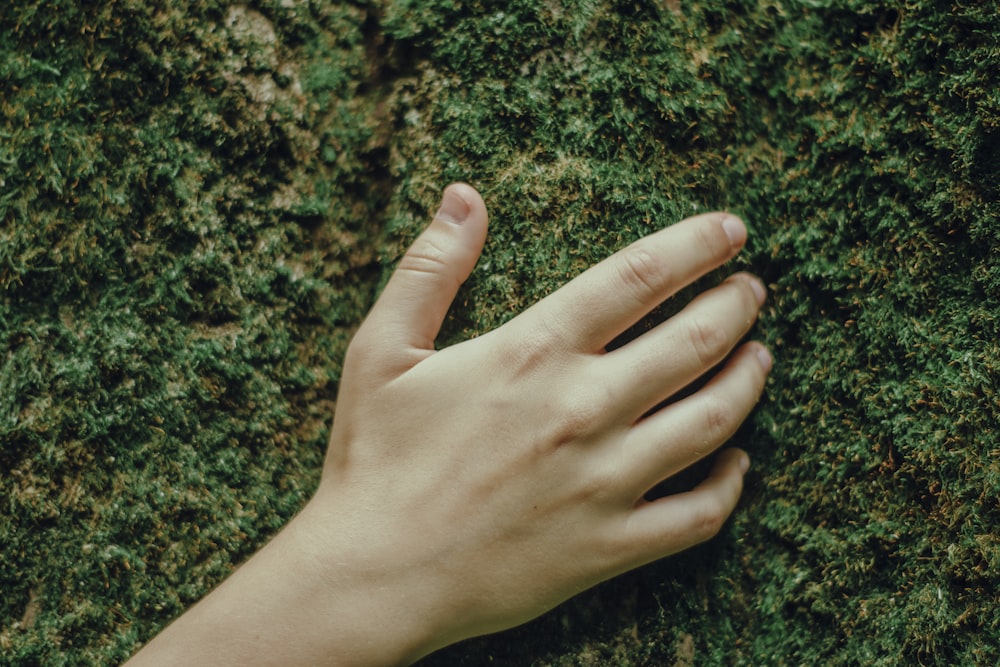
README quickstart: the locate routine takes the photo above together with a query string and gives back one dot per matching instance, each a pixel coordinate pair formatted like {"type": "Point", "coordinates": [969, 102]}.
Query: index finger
{"type": "Point", "coordinates": [601, 303]}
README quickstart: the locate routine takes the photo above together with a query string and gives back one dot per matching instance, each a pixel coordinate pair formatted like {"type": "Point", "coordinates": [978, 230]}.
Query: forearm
{"type": "Point", "coordinates": [307, 598]}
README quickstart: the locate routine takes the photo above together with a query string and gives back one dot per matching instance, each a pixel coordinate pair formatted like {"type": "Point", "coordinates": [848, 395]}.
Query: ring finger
{"type": "Point", "coordinates": [663, 361]}
{"type": "Point", "coordinates": [697, 425]}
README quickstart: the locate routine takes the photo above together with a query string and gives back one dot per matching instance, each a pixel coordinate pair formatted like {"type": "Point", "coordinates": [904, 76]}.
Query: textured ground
{"type": "Point", "coordinates": [199, 200]}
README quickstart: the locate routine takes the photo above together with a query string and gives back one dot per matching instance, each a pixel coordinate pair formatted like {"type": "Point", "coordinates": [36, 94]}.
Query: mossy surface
{"type": "Point", "coordinates": [198, 202]}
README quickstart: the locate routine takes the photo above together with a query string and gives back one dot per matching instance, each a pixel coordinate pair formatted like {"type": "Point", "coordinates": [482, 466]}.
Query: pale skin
{"type": "Point", "coordinates": [470, 489]}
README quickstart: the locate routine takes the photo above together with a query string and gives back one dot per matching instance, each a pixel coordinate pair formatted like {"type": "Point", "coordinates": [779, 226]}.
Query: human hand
{"type": "Point", "coordinates": [508, 472]}
{"type": "Point", "coordinates": [470, 489]}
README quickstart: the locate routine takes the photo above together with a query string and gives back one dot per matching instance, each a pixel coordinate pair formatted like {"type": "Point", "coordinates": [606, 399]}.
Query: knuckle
{"type": "Point", "coordinates": [717, 419]}
{"type": "Point", "coordinates": [641, 273]}
{"type": "Point", "coordinates": [709, 518]}
{"type": "Point", "coordinates": [527, 355]}
{"type": "Point", "coordinates": [424, 256]}
{"type": "Point", "coordinates": [595, 486]}
{"type": "Point", "coordinates": [574, 417]}
{"type": "Point", "coordinates": [708, 340]}
{"type": "Point", "coordinates": [601, 481]}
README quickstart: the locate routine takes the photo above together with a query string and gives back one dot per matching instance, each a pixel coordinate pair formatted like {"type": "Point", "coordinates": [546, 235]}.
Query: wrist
{"type": "Point", "coordinates": [322, 592]}
{"type": "Point", "coordinates": [381, 599]}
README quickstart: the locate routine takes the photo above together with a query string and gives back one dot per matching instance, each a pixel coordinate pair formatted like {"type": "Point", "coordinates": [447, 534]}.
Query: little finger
{"type": "Point", "coordinates": [681, 433]}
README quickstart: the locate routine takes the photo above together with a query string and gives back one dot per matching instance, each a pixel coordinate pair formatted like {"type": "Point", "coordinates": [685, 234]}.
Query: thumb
{"type": "Point", "coordinates": [413, 305]}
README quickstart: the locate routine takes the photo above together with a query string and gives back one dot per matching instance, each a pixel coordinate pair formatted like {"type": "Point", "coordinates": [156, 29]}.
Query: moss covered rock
{"type": "Point", "coordinates": [199, 200]}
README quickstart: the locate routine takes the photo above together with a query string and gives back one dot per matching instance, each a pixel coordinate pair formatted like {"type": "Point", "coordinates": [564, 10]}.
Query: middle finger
{"type": "Point", "coordinates": [663, 361]}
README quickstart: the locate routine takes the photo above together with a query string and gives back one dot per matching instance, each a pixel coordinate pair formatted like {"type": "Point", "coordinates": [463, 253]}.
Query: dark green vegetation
{"type": "Point", "coordinates": [198, 202]}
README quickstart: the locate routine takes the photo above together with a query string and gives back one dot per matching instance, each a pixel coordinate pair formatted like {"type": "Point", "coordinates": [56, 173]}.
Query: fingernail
{"type": "Point", "coordinates": [765, 358]}
{"type": "Point", "coordinates": [744, 463]}
{"type": "Point", "coordinates": [759, 291]}
{"type": "Point", "coordinates": [454, 208]}
{"type": "Point", "coordinates": [735, 230]}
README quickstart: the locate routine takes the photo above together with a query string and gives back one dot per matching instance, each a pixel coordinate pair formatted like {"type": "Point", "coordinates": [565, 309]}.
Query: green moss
{"type": "Point", "coordinates": [180, 274]}
{"type": "Point", "coordinates": [197, 202]}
